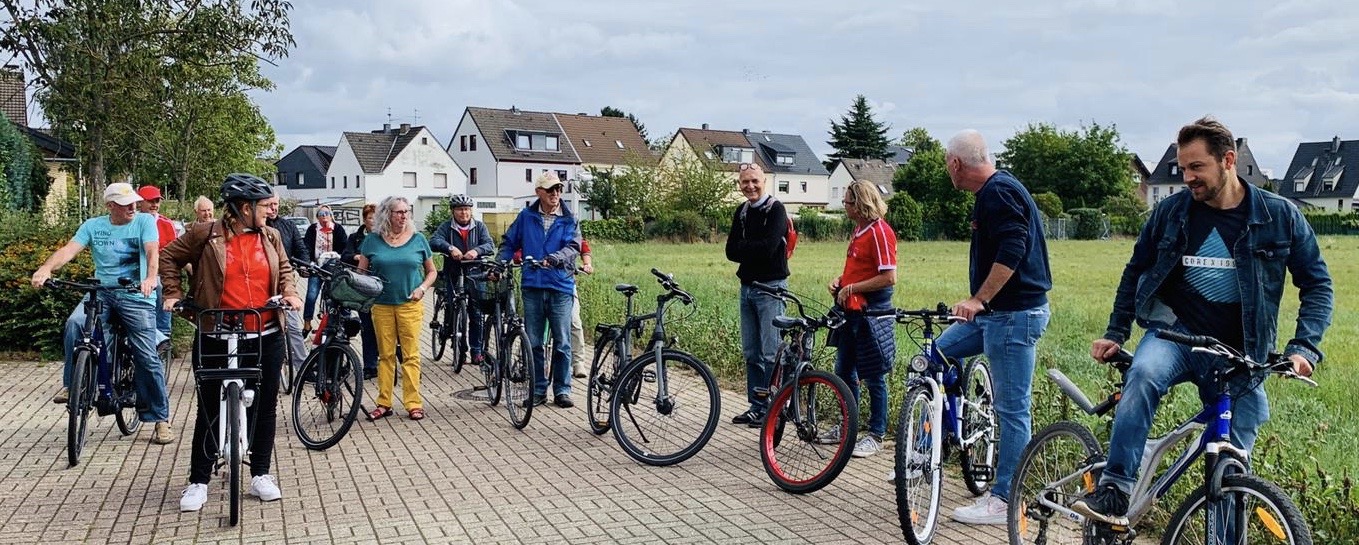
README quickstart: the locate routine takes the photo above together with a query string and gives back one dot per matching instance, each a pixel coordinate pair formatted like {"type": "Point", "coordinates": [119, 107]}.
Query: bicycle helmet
{"type": "Point", "coordinates": [239, 187]}
{"type": "Point", "coordinates": [460, 201]}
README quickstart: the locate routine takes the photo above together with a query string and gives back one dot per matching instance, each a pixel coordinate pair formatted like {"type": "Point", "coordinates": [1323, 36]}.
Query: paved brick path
{"type": "Point", "coordinates": [462, 475]}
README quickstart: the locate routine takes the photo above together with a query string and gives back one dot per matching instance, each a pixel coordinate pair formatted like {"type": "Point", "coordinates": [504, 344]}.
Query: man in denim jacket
{"type": "Point", "coordinates": [1210, 261]}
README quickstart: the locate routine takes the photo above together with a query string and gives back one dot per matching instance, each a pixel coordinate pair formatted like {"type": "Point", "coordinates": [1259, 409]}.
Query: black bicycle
{"type": "Point", "coordinates": [509, 365]}
{"type": "Point", "coordinates": [815, 405]}
{"type": "Point", "coordinates": [452, 314]}
{"type": "Point", "coordinates": [103, 373]}
{"type": "Point", "coordinates": [665, 404]}
{"type": "Point", "coordinates": [328, 390]}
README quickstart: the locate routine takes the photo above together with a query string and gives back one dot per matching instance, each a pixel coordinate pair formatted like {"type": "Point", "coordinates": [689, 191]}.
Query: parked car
{"type": "Point", "coordinates": [301, 223]}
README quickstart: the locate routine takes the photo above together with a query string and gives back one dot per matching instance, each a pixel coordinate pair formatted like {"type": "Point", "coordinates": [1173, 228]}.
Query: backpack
{"type": "Point", "coordinates": [789, 238]}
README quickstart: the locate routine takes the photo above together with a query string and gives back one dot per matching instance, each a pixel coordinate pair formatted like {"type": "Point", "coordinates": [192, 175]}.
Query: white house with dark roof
{"type": "Point", "coordinates": [1324, 176]}
{"type": "Point", "coordinates": [795, 174]}
{"type": "Point", "coordinates": [849, 170]}
{"type": "Point", "coordinates": [407, 161]}
{"type": "Point", "coordinates": [502, 151]}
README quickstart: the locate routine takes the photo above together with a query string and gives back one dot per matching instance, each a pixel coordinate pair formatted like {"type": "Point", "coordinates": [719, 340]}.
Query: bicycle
{"type": "Point", "coordinates": [329, 384]}
{"type": "Point", "coordinates": [948, 405]}
{"type": "Point", "coordinates": [509, 365]}
{"type": "Point", "coordinates": [613, 348]}
{"type": "Point", "coordinates": [103, 374]}
{"type": "Point", "coordinates": [238, 380]}
{"type": "Point", "coordinates": [1063, 461]}
{"type": "Point", "coordinates": [819, 405]}
{"type": "Point", "coordinates": [652, 416]}
{"type": "Point", "coordinates": [451, 319]}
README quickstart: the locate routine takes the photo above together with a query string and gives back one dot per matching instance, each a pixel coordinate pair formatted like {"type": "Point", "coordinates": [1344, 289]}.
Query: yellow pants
{"type": "Point", "coordinates": [402, 323]}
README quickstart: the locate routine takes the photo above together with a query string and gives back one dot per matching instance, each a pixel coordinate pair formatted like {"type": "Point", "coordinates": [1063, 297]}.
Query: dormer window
{"type": "Point", "coordinates": [1174, 170]}
{"type": "Point", "coordinates": [530, 141]}
{"type": "Point", "coordinates": [737, 155]}
{"type": "Point", "coordinates": [784, 159]}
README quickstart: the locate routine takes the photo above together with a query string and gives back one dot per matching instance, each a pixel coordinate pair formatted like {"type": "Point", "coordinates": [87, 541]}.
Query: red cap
{"type": "Point", "coordinates": [149, 192]}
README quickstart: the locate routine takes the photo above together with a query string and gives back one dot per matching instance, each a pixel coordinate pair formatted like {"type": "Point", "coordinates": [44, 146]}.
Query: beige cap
{"type": "Point", "coordinates": [548, 180]}
{"type": "Point", "coordinates": [121, 193]}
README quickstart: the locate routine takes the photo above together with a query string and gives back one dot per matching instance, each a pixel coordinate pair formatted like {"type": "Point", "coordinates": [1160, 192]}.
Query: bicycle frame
{"type": "Point", "coordinates": [942, 376]}
{"type": "Point", "coordinates": [229, 328]}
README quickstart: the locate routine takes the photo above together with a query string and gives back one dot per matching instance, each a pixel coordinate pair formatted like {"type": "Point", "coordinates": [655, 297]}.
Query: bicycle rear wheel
{"type": "Point", "coordinates": [662, 428]}
{"type": "Point", "coordinates": [491, 371]}
{"type": "Point", "coordinates": [233, 442]}
{"type": "Point", "coordinates": [919, 480]}
{"type": "Point", "coordinates": [979, 426]}
{"type": "Point", "coordinates": [599, 387]}
{"type": "Point", "coordinates": [518, 377]}
{"type": "Point", "coordinates": [1050, 474]}
{"type": "Point", "coordinates": [811, 408]}
{"type": "Point", "coordinates": [327, 396]}
{"type": "Point", "coordinates": [461, 348]}
{"type": "Point", "coordinates": [286, 370]}
{"type": "Point", "coordinates": [439, 325]}
{"type": "Point", "coordinates": [125, 397]}
{"type": "Point", "coordinates": [1252, 510]}
{"type": "Point", "coordinates": [79, 403]}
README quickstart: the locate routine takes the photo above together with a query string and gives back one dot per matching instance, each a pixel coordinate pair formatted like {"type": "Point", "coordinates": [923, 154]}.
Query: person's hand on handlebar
{"type": "Point", "coordinates": [1301, 366]}
{"type": "Point", "coordinates": [169, 304]}
{"type": "Point", "coordinates": [41, 276]}
{"type": "Point", "coordinates": [469, 255]}
{"type": "Point", "coordinates": [834, 286]}
{"type": "Point", "coordinates": [969, 308]}
{"type": "Point", "coordinates": [292, 302]}
{"type": "Point", "coordinates": [1103, 349]}
{"type": "Point", "coordinates": [148, 286]}
{"type": "Point", "coordinates": [455, 253]}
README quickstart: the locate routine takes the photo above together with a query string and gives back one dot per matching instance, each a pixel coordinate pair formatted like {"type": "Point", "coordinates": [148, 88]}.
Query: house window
{"type": "Point", "coordinates": [462, 143]}
{"type": "Point", "coordinates": [528, 175]}
{"type": "Point", "coordinates": [332, 182]}
{"type": "Point", "coordinates": [407, 179]}
{"type": "Point", "coordinates": [587, 144]}
{"type": "Point", "coordinates": [522, 141]}
{"type": "Point", "coordinates": [561, 175]}
{"type": "Point", "coordinates": [784, 159]}
{"type": "Point", "coordinates": [472, 140]}
{"type": "Point", "coordinates": [737, 155]}
{"type": "Point", "coordinates": [1250, 169]}
{"type": "Point", "coordinates": [1340, 205]}
{"type": "Point", "coordinates": [424, 141]}
{"type": "Point", "coordinates": [618, 143]}
{"type": "Point", "coordinates": [472, 176]}
{"type": "Point", "coordinates": [1300, 186]}
{"type": "Point", "coordinates": [345, 181]}
{"type": "Point", "coordinates": [356, 181]}
{"type": "Point", "coordinates": [486, 205]}
{"type": "Point", "coordinates": [440, 180]}
{"type": "Point", "coordinates": [552, 143]}
{"type": "Point", "coordinates": [301, 179]}
{"type": "Point", "coordinates": [835, 192]}
{"type": "Point", "coordinates": [783, 187]}
{"type": "Point", "coordinates": [1174, 170]}
{"type": "Point", "coordinates": [1155, 192]}
{"type": "Point", "coordinates": [804, 187]}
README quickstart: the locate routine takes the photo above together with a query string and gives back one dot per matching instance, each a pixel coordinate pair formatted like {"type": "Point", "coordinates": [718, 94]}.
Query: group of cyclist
{"type": "Point", "coordinates": [1211, 260]}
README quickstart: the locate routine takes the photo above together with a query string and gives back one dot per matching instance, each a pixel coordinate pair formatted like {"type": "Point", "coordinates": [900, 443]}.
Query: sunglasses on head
{"type": "Point", "coordinates": [747, 166]}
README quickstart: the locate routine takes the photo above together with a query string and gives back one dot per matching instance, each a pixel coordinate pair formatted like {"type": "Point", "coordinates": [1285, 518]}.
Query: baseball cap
{"type": "Point", "coordinates": [149, 192]}
{"type": "Point", "coordinates": [121, 193]}
{"type": "Point", "coordinates": [548, 180]}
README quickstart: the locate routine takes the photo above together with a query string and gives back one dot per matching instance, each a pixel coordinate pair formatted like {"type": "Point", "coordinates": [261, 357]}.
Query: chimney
{"type": "Point", "coordinates": [13, 94]}
{"type": "Point", "coordinates": [1335, 144]}
{"type": "Point", "coordinates": [405, 128]}
{"type": "Point", "coordinates": [386, 128]}
{"type": "Point", "coordinates": [745, 131]}
{"type": "Point", "coordinates": [705, 126]}
{"type": "Point", "coordinates": [514, 110]}
{"type": "Point", "coordinates": [582, 114]}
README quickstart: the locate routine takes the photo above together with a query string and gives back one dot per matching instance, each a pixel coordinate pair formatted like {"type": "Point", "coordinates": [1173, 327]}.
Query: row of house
{"type": "Point", "coordinates": [1317, 178]}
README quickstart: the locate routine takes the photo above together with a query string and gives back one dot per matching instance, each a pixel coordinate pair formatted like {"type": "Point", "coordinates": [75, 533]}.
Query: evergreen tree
{"type": "Point", "coordinates": [610, 111]}
{"type": "Point", "coordinates": [858, 135]}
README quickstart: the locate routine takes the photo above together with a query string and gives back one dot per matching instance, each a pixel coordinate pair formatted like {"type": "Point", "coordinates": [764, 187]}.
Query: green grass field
{"type": "Point", "coordinates": [1320, 425]}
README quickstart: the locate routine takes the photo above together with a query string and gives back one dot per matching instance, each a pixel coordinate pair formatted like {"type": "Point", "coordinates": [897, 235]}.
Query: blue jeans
{"type": "Point", "coordinates": [759, 339]}
{"type": "Point", "coordinates": [139, 322]}
{"type": "Point", "coordinates": [313, 292]}
{"type": "Point", "coordinates": [1008, 338]}
{"type": "Point", "coordinates": [1157, 366]}
{"type": "Point", "coordinates": [877, 393]}
{"type": "Point", "coordinates": [549, 311]}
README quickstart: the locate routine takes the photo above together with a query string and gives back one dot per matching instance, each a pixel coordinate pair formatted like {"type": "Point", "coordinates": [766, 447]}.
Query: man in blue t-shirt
{"type": "Point", "coordinates": [123, 244]}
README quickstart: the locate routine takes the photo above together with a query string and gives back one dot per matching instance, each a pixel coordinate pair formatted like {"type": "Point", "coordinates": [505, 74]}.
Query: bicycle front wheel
{"type": "Point", "coordinates": [233, 441]}
{"type": "Point", "coordinates": [1053, 473]}
{"type": "Point", "coordinates": [662, 427]}
{"type": "Point", "coordinates": [517, 363]}
{"type": "Point", "coordinates": [818, 409]}
{"type": "Point", "coordinates": [461, 348]}
{"type": "Point", "coordinates": [599, 387]}
{"type": "Point", "coordinates": [440, 325]}
{"type": "Point", "coordinates": [918, 479]}
{"type": "Point", "coordinates": [491, 370]}
{"type": "Point", "coordinates": [978, 416]}
{"type": "Point", "coordinates": [1252, 510]}
{"type": "Point", "coordinates": [125, 397]}
{"type": "Point", "coordinates": [79, 403]}
{"type": "Point", "coordinates": [327, 396]}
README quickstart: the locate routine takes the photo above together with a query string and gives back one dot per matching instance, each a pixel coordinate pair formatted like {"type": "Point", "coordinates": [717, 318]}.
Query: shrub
{"type": "Point", "coordinates": [29, 318]}
{"type": "Point", "coordinates": [681, 226]}
{"type": "Point", "coordinates": [1127, 225]}
{"type": "Point", "coordinates": [436, 217]}
{"type": "Point", "coordinates": [811, 225]}
{"type": "Point", "coordinates": [1087, 223]}
{"type": "Point", "coordinates": [616, 229]}
{"type": "Point", "coordinates": [1049, 204]}
{"type": "Point", "coordinates": [905, 216]}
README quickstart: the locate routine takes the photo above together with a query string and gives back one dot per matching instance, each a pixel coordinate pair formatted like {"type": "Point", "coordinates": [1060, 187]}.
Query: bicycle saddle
{"type": "Point", "coordinates": [625, 289]}
{"type": "Point", "coordinates": [789, 322]}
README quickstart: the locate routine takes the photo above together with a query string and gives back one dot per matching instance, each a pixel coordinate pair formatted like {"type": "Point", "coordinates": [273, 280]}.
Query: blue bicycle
{"type": "Point", "coordinates": [1063, 462]}
{"type": "Point", "coordinates": [948, 405]}
{"type": "Point", "coordinates": [103, 373]}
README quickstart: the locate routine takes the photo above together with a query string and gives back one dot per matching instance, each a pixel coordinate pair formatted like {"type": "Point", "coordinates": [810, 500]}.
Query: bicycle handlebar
{"type": "Point", "coordinates": [940, 312]}
{"type": "Point", "coordinates": [833, 319]}
{"type": "Point", "coordinates": [91, 285]}
{"type": "Point", "coordinates": [668, 282]}
{"type": "Point", "coordinates": [1278, 364]}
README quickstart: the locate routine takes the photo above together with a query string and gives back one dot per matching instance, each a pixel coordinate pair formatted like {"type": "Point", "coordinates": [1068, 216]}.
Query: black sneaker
{"type": "Point", "coordinates": [747, 417]}
{"type": "Point", "coordinates": [1105, 502]}
{"type": "Point", "coordinates": [564, 401]}
{"type": "Point", "coordinates": [756, 421]}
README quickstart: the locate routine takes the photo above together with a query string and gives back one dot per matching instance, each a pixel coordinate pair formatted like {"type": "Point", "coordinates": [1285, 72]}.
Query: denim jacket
{"type": "Point", "coordinates": [1276, 238]}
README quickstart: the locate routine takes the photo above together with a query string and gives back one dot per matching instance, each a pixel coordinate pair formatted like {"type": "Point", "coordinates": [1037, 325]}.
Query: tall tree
{"type": "Point", "coordinates": [947, 210]}
{"type": "Point", "coordinates": [919, 140]}
{"type": "Point", "coordinates": [100, 65]}
{"type": "Point", "coordinates": [610, 111]}
{"type": "Point", "coordinates": [1086, 168]}
{"type": "Point", "coordinates": [600, 192]}
{"type": "Point", "coordinates": [858, 135]}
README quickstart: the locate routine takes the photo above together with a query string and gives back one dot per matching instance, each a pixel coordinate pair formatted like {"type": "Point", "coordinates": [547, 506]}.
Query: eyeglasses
{"type": "Point", "coordinates": [323, 214]}
{"type": "Point", "coordinates": [400, 212]}
{"type": "Point", "coordinates": [554, 189]}
{"type": "Point", "coordinates": [747, 166]}
{"type": "Point", "coordinates": [847, 203]}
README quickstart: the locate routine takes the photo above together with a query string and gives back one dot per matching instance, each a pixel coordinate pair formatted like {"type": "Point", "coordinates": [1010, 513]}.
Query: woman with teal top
{"type": "Point", "coordinates": [402, 256]}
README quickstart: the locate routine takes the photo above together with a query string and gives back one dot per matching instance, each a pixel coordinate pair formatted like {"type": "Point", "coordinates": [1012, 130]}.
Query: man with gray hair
{"type": "Point", "coordinates": [203, 210]}
{"type": "Point", "coordinates": [1008, 310]}
{"type": "Point", "coordinates": [755, 242]}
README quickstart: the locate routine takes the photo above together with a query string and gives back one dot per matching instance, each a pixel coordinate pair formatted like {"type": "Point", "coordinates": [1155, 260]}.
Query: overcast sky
{"type": "Point", "coordinates": [1277, 73]}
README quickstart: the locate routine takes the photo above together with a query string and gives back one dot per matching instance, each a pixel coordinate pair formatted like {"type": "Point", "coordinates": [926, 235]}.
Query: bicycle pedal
{"type": "Point", "coordinates": [761, 393]}
{"type": "Point", "coordinates": [480, 388]}
{"type": "Point", "coordinates": [649, 376]}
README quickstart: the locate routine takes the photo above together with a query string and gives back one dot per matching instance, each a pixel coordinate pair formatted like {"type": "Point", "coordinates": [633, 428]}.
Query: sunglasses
{"type": "Point", "coordinates": [747, 166]}
{"type": "Point", "coordinates": [323, 214]}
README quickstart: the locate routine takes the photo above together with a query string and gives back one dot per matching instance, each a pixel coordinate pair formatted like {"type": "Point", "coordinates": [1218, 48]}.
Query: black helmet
{"type": "Point", "coordinates": [245, 187]}
{"type": "Point", "coordinates": [460, 200]}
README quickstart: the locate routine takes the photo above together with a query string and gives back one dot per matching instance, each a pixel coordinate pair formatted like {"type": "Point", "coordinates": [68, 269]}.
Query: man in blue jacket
{"type": "Point", "coordinates": [1008, 309]}
{"type": "Point", "coordinates": [462, 239]}
{"type": "Point", "coordinates": [1211, 260]}
{"type": "Point", "coordinates": [548, 232]}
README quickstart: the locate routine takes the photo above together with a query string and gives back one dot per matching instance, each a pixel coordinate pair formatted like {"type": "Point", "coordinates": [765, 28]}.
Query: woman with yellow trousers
{"type": "Point", "coordinates": [402, 256]}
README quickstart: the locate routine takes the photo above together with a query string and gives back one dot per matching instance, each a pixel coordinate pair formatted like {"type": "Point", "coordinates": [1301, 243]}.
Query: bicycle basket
{"type": "Point", "coordinates": [485, 293]}
{"type": "Point", "coordinates": [349, 289]}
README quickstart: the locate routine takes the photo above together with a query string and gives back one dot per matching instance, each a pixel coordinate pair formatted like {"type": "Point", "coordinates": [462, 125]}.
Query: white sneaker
{"type": "Point", "coordinates": [830, 436]}
{"type": "Point", "coordinates": [988, 510]}
{"type": "Point", "coordinates": [194, 497]}
{"type": "Point", "coordinates": [867, 446]}
{"type": "Point", "coordinates": [264, 488]}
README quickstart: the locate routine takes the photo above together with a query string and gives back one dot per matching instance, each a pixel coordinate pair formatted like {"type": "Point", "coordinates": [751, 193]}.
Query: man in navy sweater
{"type": "Point", "coordinates": [1008, 310]}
